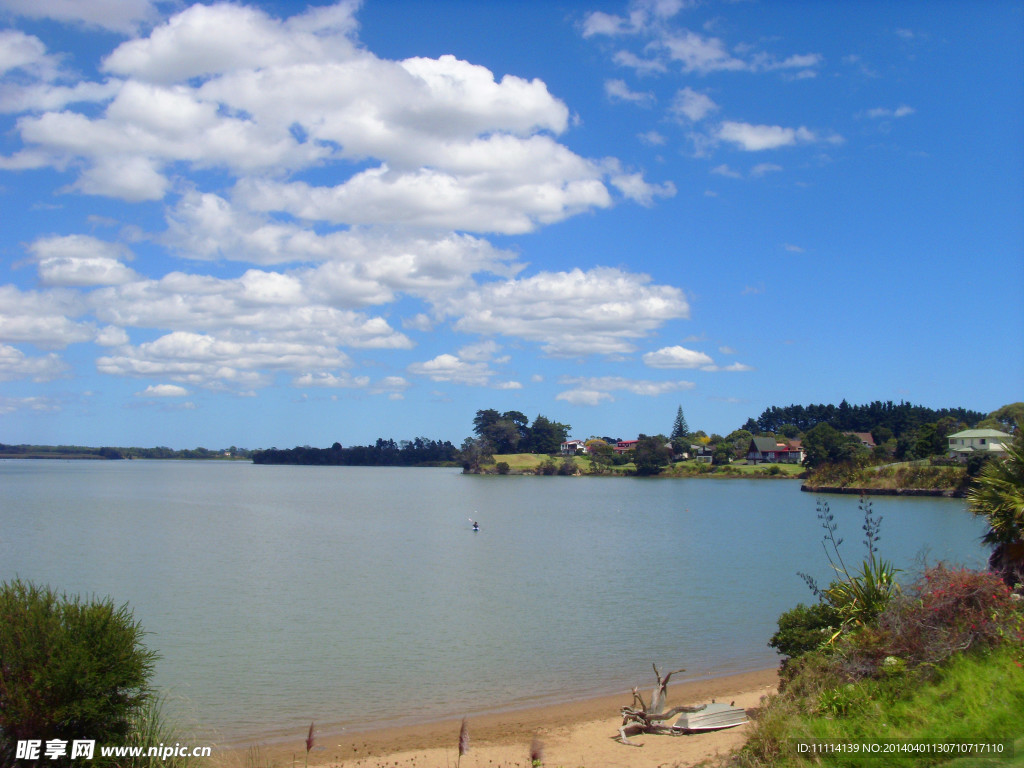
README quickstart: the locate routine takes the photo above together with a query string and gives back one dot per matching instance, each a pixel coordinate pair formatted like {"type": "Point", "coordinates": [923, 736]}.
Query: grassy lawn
{"type": "Point", "coordinates": [522, 462]}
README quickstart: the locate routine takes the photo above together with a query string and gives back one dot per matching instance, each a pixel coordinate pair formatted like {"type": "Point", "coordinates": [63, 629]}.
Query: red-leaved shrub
{"type": "Point", "coordinates": [949, 610]}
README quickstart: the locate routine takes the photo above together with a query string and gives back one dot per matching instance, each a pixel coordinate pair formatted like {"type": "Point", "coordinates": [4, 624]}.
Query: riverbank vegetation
{"type": "Point", "coordinates": [938, 660]}
{"type": "Point", "coordinates": [76, 670]}
{"type": "Point", "coordinates": [68, 452]}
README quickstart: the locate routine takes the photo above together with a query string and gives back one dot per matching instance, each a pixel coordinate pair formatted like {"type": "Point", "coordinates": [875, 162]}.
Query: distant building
{"type": "Point", "coordinates": [972, 441]}
{"type": "Point", "coordinates": [865, 438]}
{"type": "Point", "coordinates": [625, 445]}
{"type": "Point", "coordinates": [766, 451]}
{"type": "Point", "coordinates": [572, 447]}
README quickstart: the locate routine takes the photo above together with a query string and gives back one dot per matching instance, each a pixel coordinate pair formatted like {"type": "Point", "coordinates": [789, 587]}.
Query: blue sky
{"type": "Point", "coordinates": [272, 223]}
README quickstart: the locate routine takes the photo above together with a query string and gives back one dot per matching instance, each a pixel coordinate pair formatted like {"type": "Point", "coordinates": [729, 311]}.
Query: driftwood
{"type": "Point", "coordinates": [639, 718]}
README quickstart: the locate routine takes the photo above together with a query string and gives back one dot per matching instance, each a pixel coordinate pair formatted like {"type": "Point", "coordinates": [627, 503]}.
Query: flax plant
{"type": "Point", "coordinates": [858, 595]}
{"type": "Point", "coordinates": [310, 741]}
{"type": "Point", "coordinates": [463, 741]}
{"type": "Point", "coordinates": [536, 753]}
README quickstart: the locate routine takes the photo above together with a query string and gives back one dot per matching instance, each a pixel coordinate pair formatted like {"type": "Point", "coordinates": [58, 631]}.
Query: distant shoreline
{"type": "Point", "coordinates": [950, 493]}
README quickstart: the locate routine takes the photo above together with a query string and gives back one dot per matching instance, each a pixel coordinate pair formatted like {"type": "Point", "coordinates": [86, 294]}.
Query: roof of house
{"type": "Point", "coordinates": [765, 444]}
{"type": "Point", "coordinates": [864, 437]}
{"type": "Point", "coordinates": [980, 433]}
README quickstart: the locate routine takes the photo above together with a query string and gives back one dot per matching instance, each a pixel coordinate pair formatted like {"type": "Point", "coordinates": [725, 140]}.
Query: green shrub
{"type": "Point", "coordinates": [502, 467]}
{"type": "Point", "coordinates": [805, 628]}
{"type": "Point", "coordinates": [69, 669]}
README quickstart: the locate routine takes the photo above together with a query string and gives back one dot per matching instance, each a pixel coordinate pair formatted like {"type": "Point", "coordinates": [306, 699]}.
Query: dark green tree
{"type": "Point", "coordinates": [680, 431]}
{"type": "Point", "coordinates": [474, 453]}
{"type": "Point", "coordinates": [679, 427]}
{"type": "Point", "coordinates": [547, 436]}
{"type": "Point", "coordinates": [651, 454]}
{"type": "Point", "coordinates": [825, 445]}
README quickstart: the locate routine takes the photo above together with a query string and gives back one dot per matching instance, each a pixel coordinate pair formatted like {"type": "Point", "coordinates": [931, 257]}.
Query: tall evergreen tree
{"type": "Point", "coordinates": [679, 426]}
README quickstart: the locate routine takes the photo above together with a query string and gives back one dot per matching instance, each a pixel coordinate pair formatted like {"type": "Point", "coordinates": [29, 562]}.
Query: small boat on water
{"type": "Point", "coordinates": [710, 718]}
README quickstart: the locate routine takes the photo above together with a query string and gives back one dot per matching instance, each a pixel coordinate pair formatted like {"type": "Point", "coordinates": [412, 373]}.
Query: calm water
{"type": "Point", "coordinates": [281, 595]}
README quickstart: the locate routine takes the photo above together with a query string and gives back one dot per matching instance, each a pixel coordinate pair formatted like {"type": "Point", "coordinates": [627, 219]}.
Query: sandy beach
{"type": "Point", "coordinates": [575, 735]}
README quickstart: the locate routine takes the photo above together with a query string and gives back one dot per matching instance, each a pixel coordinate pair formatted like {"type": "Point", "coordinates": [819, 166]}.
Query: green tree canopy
{"type": "Point", "coordinates": [650, 455]}
{"type": "Point", "coordinates": [825, 445]}
{"type": "Point", "coordinates": [547, 436]}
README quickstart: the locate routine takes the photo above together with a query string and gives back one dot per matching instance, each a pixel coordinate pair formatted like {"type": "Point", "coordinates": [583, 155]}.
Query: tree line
{"type": "Point", "coordinates": [420, 451]}
{"type": "Point", "coordinates": [898, 418]}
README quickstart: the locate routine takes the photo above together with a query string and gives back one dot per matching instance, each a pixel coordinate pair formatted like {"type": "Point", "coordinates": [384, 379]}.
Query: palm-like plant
{"type": "Point", "coordinates": [997, 494]}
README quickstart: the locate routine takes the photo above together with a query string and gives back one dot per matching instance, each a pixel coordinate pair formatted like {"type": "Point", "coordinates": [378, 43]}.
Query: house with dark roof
{"type": "Point", "coordinates": [766, 450]}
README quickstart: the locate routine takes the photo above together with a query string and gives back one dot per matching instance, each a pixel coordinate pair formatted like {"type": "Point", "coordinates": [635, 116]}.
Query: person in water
{"type": "Point", "coordinates": [476, 526]}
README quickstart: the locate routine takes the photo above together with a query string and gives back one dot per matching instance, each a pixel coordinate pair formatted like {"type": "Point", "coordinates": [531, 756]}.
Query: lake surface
{"type": "Point", "coordinates": [359, 596]}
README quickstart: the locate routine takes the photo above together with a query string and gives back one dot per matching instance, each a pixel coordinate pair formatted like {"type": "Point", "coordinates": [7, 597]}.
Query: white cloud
{"type": "Point", "coordinates": [600, 311]}
{"type": "Point", "coordinates": [115, 15]}
{"type": "Point", "coordinates": [332, 381]}
{"type": "Point", "coordinates": [24, 52]}
{"type": "Point", "coordinates": [271, 304]}
{"type": "Point", "coordinates": [15, 404]}
{"type": "Point", "coordinates": [499, 184]}
{"type": "Point", "coordinates": [595, 390]}
{"type": "Point", "coordinates": [676, 357]}
{"type": "Point", "coordinates": [582, 396]}
{"type": "Point", "coordinates": [700, 54]}
{"type": "Point", "coordinates": [693, 105]}
{"type": "Point", "coordinates": [450, 368]}
{"type": "Point", "coordinates": [762, 169]}
{"type": "Point", "coordinates": [633, 187]}
{"type": "Point", "coordinates": [235, 361]}
{"type": "Point", "coordinates": [163, 390]}
{"type": "Point", "coordinates": [15, 364]}
{"type": "Point", "coordinates": [80, 260]}
{"type": "Point", "coordinates": [617, 90]}
{"type": "Point", "coordinates": [640, 65]}
{"type": "Point", "coordinates": [725, 170]}
{"type": "Point", "coordinates": [43, 318]}
{"type": "Point", "coordinates": [601, 23]}
{"type": "Point", "coordinates": [390, 385]}
{"type": "Point", "coordinates": [195, 43]}
{"type": "Point", "coordinates": [880, 113]}
{"type": "Point", "coordinates": [755, 138]}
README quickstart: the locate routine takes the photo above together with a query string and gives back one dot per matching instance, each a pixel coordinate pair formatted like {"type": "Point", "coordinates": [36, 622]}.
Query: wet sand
{"type": "Point", "coordinates": [580, 734]}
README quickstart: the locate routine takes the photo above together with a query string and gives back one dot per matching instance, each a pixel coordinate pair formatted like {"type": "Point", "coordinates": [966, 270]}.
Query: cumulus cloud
{"type": "Point", "coordinates": [681, 357]}
{"type": "Point", "coordinates": [19, 51]}
{"type": "Point", "coordinates": [163, 390]}
{"type": "Point", "coordinates": [114, 15]}
{"type": "Point", "coordinates": [331, 380]}
{"type": "Point", "coordinates": [15, 364]}
{"type": "Point", "coordinates": [595, 390]}
{"type": "Point", "coordinates": [755, 138]}
{"type": "Point", "coordinates": [343, 182]}
{"type": "Point", "coordinates": [569, 313]}
{"type": "Point", "coordinates": [231, 362]}
{"type": "Point", "coordinates": [80, 260]}
{"type": "Point", "coordinates": [43, 318]}
{"type": "Point", "coordinates": [449, 368]}
{"type": "Point", "coordinates": [881, 113]}
{"type": "Point", "coordinates": [692, 105]}
{"type": "Point", "coordinates": [617, 90]}
{"type": "Point", "coordinates": [676, 357]}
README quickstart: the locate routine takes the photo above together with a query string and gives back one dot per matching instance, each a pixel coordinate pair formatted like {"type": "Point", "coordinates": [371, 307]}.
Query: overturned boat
{"type": "Point", "coordinates": [710, 718]}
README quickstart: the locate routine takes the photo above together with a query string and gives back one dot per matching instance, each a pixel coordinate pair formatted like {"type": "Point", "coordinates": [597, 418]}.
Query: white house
{"type": "Point", "coordinates": [571, 447]}
{"type": "Point", "coordinates": [971, 441]}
